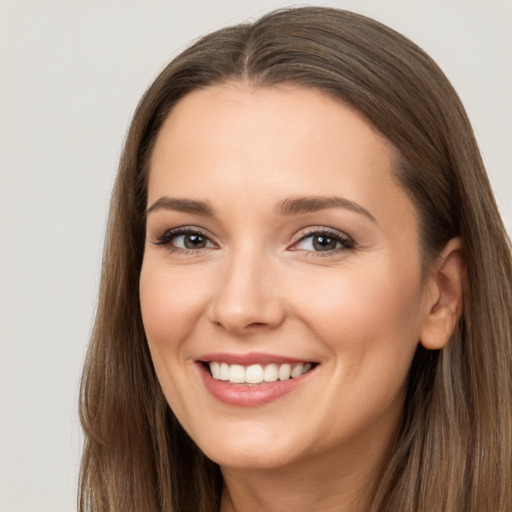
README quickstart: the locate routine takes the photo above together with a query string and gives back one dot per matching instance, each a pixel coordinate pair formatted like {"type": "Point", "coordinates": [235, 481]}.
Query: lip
{"type": "Point", "coordinates": [250, 358]}
{"type": "Point", "coordinates": [244, 395]}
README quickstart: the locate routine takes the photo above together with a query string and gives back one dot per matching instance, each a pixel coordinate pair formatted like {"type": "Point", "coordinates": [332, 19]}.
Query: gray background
{"type": "Point", "coordinates": [71, 74]}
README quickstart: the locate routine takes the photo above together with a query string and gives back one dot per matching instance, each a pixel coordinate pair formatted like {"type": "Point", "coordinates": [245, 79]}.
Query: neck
{"type": "Point", "coordinates": [342, 480]}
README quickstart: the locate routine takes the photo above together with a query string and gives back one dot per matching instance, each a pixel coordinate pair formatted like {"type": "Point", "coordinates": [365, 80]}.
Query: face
{"type": "Point", "coordinates": [281, 288]}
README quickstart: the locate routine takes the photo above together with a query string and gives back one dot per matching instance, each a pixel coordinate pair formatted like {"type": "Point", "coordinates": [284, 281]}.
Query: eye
{"type": "Point", "coordinates": [185, 239]}
{"type": "Point", "coordinates": [325, 241]}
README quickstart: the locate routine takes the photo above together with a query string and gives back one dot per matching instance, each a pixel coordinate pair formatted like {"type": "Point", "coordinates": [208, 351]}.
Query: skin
{"type": "Point", "coordinates": [259, 284]}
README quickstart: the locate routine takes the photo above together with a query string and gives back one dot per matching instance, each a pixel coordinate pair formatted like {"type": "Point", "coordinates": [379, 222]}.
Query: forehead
{"type": "Point", "coordinates": [253, 130]}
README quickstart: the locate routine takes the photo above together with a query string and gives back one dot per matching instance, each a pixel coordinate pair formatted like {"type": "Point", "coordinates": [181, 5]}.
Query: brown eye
{"type": "Point", "coordinates": [185, 239]}
{"type": "Point", "coordinates": [194, 241]}
{"type": "Point", "coordinates": [324, 243]}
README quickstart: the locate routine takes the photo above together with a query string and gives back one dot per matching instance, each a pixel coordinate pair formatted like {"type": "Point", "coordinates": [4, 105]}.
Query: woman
{"type": "Point", "coordinates": [306, 286]}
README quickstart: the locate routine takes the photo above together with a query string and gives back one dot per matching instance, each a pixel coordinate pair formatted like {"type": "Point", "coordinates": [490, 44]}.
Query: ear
{"type": "Point", "coordinates": [444, 296]}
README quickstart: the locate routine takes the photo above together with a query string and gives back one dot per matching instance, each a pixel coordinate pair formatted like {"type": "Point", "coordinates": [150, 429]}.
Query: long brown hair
{"type": "Point", "coordinates": [454, 447]}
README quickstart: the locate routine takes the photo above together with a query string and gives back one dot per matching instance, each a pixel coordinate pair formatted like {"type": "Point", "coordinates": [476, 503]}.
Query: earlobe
{"type": "Point", "coordinates": [444, 307]}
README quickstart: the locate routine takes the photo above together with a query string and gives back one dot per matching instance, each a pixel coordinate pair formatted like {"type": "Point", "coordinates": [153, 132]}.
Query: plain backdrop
{"type": "Point", "coordinates": [71, 73]}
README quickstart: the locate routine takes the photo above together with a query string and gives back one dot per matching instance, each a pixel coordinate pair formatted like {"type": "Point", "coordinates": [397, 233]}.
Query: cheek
{"type": "Point", "coordinates": [171, 303]}
{"type": "Point", "coordinates": [170, 306]}
{"type": "Point", "coordinates": [371, 311]}
{"type": "Point", "coordinates": [370, 322]}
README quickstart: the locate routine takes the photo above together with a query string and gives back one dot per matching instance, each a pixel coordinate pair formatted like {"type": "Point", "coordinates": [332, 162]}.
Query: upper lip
{"type": "Point", "coordinates": [251, 358]}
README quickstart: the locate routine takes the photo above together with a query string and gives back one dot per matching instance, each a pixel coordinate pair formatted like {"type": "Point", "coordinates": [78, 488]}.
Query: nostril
{"type": "Point", "coordinates": [245, 300]}
{"type": "Point", "coordinates": [256, 324]}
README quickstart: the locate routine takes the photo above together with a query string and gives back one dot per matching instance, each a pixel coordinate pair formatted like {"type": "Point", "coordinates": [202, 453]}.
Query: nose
{"type": "Point", "coordinates": [246, 297]}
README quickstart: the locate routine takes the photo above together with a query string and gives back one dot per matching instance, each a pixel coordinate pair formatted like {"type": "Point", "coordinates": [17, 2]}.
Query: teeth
{"type": "Point", "coordinates": [284, 372]}
{"type": "Point", "coordinates": [223, 371]}
{"type": "Point", "coordinates": [296, 371]}
{"type": "Point", "coordinates": [215, 369]}
{"type": "Point", "coordinates": [256, 373]}
{"type": "Point", "coordinates": [271, 373]}
{"type": "Point", "coordinates": [236, 374]}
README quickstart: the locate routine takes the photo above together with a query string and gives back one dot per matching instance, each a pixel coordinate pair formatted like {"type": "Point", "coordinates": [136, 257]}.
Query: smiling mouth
{"type": "Point", "coordinates": [256, 373]}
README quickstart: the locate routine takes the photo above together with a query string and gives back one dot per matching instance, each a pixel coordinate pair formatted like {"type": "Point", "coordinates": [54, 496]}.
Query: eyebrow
{"type": "Point", "coordinates": [181, 205]}
{"type": "Point", "coordinates": [295, 206]}
{"type": "Point", "coordinates": [291, 206]}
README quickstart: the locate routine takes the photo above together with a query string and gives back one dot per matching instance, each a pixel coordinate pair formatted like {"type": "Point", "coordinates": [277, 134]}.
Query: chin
{"type": "Point", "coordinates": [256, 450]}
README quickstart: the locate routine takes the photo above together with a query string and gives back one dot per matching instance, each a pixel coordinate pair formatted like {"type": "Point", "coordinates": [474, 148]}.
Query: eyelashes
{"type": "Point", "coordinates": [324, 241]}
{"type": "Point", "coordinates": [185, 240]}
{"type": "Point", "coordinates": [319, 241]}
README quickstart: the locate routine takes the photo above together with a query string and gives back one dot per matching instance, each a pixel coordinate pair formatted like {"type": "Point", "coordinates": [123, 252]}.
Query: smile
{"type": "Point", "coordinates": [257, 373]}
{"type": "Point", "coordinates": [255, 379]}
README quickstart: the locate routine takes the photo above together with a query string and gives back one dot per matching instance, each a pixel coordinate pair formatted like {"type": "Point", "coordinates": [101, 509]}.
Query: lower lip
{"type": "Point", "coordinates": [243, 395]}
